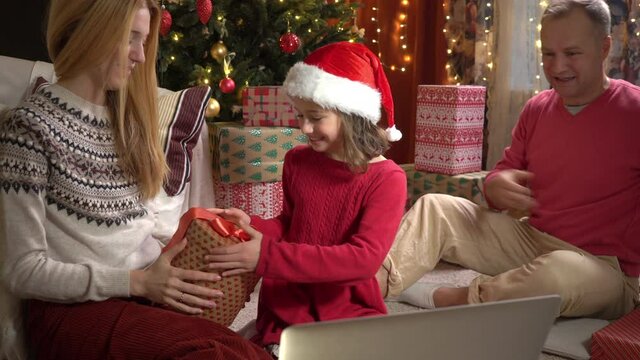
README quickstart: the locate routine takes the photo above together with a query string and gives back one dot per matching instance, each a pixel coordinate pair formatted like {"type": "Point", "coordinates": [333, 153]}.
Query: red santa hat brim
{"type": "Point", "coordinates": [333, 92]}
{"type": "Point", "coordinates": [347, 77]}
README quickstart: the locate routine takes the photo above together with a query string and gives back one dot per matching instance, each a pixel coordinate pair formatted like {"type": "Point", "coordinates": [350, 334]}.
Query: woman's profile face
{"type": "Point", "coordinates": [118, 73]}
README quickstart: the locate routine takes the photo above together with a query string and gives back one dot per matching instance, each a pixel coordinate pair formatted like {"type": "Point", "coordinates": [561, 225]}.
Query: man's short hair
{"type": "Point", "coordinates": [596, 10]}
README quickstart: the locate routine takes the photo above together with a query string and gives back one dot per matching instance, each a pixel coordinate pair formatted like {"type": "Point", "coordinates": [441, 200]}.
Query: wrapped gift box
{"type": "Point", "coordinates": [468, 186]}
{"type": "Point", "coordinates": [267, 106]}
{"type": "Point", "coordinates": [204, 231]}
{"type": "Point", "coordinates": [619, 340]}
{"type": "Point", "coordinates": [243, 154]}
{"type": "Point", "coordinates": [261, 199]}
{"type": "Point", "coordinates": [449, 128]}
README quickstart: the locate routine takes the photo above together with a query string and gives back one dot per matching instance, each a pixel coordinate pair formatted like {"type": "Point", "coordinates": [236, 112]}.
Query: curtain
{"type": "Point", "coordinates": [517, 74]}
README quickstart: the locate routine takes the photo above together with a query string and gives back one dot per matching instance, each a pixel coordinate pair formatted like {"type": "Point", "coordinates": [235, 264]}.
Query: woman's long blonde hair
{"type": "Point", "coordinates": [81, 34]}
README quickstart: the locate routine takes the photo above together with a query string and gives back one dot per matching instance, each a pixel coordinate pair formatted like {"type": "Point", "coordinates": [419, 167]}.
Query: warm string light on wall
{"type": "Point", "coordinates": [538, 83]}
{"type": "Point", "coordinates": [487, 46]}
{"type": "Point", "coordinates": [400, 32]}
{"type": "Point", "coordinates": [451, 44]}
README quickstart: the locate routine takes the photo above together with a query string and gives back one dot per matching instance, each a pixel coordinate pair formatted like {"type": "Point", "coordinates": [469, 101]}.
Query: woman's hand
{"type": "Point", "coordinates": [234, 215]}
{"type": "Point", "coordinates": [239, 258]}
{"type": "Point", "coordinates": [165, 284]}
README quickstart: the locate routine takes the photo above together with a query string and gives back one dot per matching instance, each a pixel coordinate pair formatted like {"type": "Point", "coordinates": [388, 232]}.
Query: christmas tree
{"type": "Point", "coordinates": [230, 44]}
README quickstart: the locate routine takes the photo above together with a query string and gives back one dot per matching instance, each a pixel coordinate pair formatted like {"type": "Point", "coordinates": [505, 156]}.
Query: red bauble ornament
{"type": "Point", "coordinates": [165, 22]}
{"type": "Point", "coordinates": [227, 85]}
{"type": "Point", "coordinates": [205, 8]}
{"type": "Point", "coordinates": [289, 42]}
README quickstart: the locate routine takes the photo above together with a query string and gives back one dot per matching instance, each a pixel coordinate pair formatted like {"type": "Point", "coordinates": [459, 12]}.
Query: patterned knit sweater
{"type": "Point", "coordinates": [319, 257]}
{"type": "Point", "coordinates": [73, 223]}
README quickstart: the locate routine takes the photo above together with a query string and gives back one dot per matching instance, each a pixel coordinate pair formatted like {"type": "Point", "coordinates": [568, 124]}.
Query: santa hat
{"type": "Point", "coordinates": [346, 77]}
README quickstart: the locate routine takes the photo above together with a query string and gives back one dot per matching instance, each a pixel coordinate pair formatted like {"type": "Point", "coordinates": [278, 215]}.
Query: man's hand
{"type": "Point", "coordinates": [509, 190]}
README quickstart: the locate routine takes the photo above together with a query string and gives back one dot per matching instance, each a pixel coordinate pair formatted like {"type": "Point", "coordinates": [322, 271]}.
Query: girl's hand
{"type": "Point", "coordinates": [234, 215]}
{"type": "Point", "coordinates": [239, 258]}
{"type": "Point", "coordinates": [165, 284]}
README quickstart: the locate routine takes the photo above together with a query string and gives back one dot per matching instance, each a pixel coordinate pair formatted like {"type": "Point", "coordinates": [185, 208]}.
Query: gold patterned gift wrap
{"type": "Point", "coordinates": [247, 154]}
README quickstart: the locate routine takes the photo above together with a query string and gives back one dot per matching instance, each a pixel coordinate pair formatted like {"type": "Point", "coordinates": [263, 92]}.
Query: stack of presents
{"type": "Point", "coordinates": [448, 144]}
{"type": "Point", "coordinates": [248, 157]}
{"type": "Point", "coordinates": [248, 160]}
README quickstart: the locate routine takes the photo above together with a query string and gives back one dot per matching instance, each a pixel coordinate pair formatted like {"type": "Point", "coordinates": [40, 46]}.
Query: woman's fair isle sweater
{"type": "Point", "coordinates": [73, 223]}
{"type": "Point", "coordinates": [319, 258]}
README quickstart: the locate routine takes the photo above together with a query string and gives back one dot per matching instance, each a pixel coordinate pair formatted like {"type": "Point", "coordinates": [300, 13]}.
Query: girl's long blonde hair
{"type": "Point", "coordinates": [81, 35]}
{"type": "Point", "coordinates": [363, 141]}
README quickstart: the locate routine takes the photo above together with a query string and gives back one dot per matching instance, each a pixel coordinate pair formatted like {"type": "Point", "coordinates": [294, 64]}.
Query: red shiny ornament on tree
{"type": "Point", "coordinates": [289, 42]}
{"type": "Point", "coordinates": [165, 22]}
{"type": "Point", "coordinates": [227, 85]}
{"type": "Point", "coordinates": [204, 8]}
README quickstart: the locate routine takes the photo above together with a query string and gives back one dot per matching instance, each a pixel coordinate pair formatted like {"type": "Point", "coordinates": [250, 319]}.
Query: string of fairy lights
{"type": "Point", "coordinates": [469, 40]}
{"type": "Point", "coordinates": [397, 36]}
{"type": "Point", "coordinates": [539, 82]}
{"type": "Point", "coordinates": [483, 44]}
{"type": "Point", "coordinates": [399, 32]}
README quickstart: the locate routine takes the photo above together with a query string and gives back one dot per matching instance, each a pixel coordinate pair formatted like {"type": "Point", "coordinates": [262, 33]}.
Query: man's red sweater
{"type": "Point", "coordinates": [586, 170]}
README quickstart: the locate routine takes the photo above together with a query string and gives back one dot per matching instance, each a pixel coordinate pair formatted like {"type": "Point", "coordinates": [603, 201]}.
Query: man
{"type": "Point", "coordinates": [573, 165]}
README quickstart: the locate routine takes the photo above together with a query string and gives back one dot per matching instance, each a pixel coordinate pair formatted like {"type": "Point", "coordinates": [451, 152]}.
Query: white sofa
{"type": "Point", "coordinates": [16, 79]}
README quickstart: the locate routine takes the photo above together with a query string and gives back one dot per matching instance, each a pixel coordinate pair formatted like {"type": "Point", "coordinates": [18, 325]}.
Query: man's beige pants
{"type": "Point", "coordinates": [515, 259]}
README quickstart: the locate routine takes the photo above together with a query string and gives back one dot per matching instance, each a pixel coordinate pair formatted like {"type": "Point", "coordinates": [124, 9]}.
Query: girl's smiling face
{"type": "Point", "coordinates": [321, 126]}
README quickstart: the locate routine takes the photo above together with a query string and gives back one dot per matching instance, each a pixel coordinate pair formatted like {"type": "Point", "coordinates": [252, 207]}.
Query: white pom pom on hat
{"type": "Point", "coordinates": [347, 77]}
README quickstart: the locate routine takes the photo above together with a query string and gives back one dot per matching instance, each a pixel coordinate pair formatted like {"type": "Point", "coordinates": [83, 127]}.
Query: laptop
{"type": "Point", "coordinates": [502, 330]}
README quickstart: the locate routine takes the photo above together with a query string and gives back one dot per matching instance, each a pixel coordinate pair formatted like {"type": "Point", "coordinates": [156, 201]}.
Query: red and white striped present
{"type": "Point", "coordinates": [449, 128]}
{"type": "Point", "coordinates": [619, 340]}
{"type": "Point", "coordinates": [267, 106]}
{"type": "Point", "coordinates": [263, 199]}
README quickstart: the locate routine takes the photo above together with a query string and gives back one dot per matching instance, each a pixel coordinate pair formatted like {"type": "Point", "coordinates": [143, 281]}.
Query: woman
{"type": "Point", "coordinates": [80, 168]}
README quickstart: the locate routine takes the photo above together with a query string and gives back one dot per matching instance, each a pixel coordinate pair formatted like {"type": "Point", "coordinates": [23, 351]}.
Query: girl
{"type": "Point", "coordinates": [80, 166]}
{"type": "Point", "coordinates": [342, 199]}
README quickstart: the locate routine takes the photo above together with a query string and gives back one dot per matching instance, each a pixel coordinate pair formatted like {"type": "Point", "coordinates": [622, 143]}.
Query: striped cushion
{"type": "Point", "coordinates": [181, 120]}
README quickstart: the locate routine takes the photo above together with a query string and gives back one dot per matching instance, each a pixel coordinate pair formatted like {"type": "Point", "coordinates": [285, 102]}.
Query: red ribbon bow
{"type": "Point", "coordinates": [220, 225]}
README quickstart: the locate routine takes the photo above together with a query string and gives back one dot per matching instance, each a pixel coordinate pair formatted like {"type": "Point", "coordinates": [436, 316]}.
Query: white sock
{"type": "Point", "coordinates": [420, 294]}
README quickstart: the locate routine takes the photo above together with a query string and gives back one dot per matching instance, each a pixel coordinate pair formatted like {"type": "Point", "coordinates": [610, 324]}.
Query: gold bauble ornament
{"type": "Point", "coordinates": [218, 51]}
{"type": "Point", "coordinates": [213, 108]}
